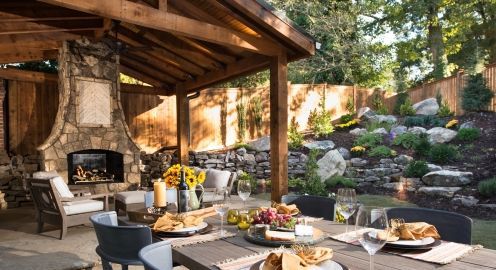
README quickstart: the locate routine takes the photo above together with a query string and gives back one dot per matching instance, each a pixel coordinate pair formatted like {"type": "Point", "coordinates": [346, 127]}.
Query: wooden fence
{"type": "Point", "coordinates": [213, 115]}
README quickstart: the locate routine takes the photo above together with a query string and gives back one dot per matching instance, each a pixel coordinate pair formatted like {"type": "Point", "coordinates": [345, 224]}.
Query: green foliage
{"type": "Point", "coordinates": [468, 134]}
{"type": "Point", "coordinates": [444, 110]}
{"type": "Point", "coordinates": [257, 112]}
{"type": "Point", "coordinates": [488, 187]}
{"type": "Point", "coordinates": [312, 184]}
{"type": "Point", "coordinates": [345, 118]}
{"type": "Point", "coordinates": [368, 140]}
{"type": "Point", "coordinates": [295, 138]}
{"type": "Point", "coordinates": [416, 168]}
{"type": "Point", "coordinates": [381, 151]}
{"type": "Point", "coordinates": [340, 181]}
{"type": "Point", "coordinates": [422, 147]}
{"type": "Point", "coordinates": [443, 153]}
{"type": "Point", "coordinates": [246, 176]}
{"type": "Point", "coordinates": [373, 125]}
{"type": "Point", "coordinates": [350, 106]}
{"type": "Point", "coordinates": [439, 97]}
{"type": "Point", "coordinates": [414, 121]}
{"type": "Point", "coordinates": [406, 109]}
{"type": "Point", "coordinates": [49, 66]}
{"type": "Point", "coordinates": [378, 103]}
{"type": "Point", "coordinates": [294, 182]}
{"type": "Point", "coordinates": [400, 100]}
{"type": "Point", "coordinates": [241, 113]}
{"type": "Point", "coordinates": [320, 120]}
{"type": "Point", "coordinates": [407, 140]}
{"type": "Point", "coordinates": [426, 121]}
{"type": "Point", "coordinates": [476, 95]}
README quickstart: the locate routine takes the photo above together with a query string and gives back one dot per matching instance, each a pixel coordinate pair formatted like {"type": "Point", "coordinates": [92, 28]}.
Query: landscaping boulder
{"type": "Point", "coordinates": [467, 201]}
{"type": "Point", "coordinates": [345, 153]}
{"type": "Point", "coordinates": [358, 131]}
{"type": "Point", "coordinates": [384, 119]}
{"type": "Point", "coordinates": [417, 130]}
{"type": "Point", "coordinates": [446, 178]}
{"type": "Point", "coordinates": [358, 162]}
{"type": "Point", "coordinates": [441, 135]}
{"type": "Point", "coordinates": [403, 159]}
{"type": "Point", "coordinates": [447, 192]}
{"type": "Point", "coordinates": [469, 124]}
{"type": "Point", "coordinates": [365, 112]}
{"type": "Point", "coordinates": [261, 144]}
{"type": "Point", "coordinates": [398, 130]}
{"type": "Point", "coordinates": [396, 186]}
{"type": "Point", "coordinates": [426, 107]}
{"type": "Point", "coordinates": [433, 167]}
{"type": "Point", "coordinates": [331, 164]}
{"type": "Point", "coordinates": [381, 131]}
{"type": "Point", "coordinates": [320, 145]}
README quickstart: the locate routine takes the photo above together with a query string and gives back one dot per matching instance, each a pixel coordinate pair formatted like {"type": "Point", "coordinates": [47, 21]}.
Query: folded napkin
{"type": "Point", "coordinates": [171, 222]}
{"type": "Point", "coordinates": [411, 231]}
{"type": "Point", "coordinates": [303, 259]}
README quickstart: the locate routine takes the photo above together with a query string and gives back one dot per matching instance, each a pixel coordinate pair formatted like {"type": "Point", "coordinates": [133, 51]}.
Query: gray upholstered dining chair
{"type": "Point", "coordinates": [119, 244]}
{"type": "Point", "coordinates": [217, 181]}
{"type": "Point", "coordinates": [314, 206]}
{"type": "Point", "coordinates": [451, 226]}
{"type": "Point", "coordinates": [157, 256]}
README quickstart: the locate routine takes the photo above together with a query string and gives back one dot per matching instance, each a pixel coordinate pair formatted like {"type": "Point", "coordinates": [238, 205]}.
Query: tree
{"type": "Point", "coordinates": [476, 95]}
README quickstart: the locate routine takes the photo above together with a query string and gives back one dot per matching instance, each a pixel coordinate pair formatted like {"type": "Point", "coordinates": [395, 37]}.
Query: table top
{"type": "Point", "coordinates": [205, 255]}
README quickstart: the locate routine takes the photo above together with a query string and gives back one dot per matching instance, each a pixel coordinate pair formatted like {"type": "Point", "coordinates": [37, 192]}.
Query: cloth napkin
{"type": "Point", "coordinates": [170, 222]}
{"type": "Point", "coordinates": [411, 231]}
{"type": "Point", "coordinates": [303, 259]}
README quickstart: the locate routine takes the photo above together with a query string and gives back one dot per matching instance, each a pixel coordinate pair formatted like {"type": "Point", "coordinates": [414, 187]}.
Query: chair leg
{"type": "Point", "coordinates": [40, 223]}
{"type": "Point", "coordinates": [63, 230]}
{"type": "Point", "coordinates": [124, 267]}
{"type": "Point", "coordinates": [106, 265]}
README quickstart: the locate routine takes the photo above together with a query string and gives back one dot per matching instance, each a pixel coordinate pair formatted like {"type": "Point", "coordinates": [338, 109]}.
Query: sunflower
{"type": "Point", "coordinates": [171, 176]}
{"type": "Point", "coordinates": [201, 177]}
{"type": "Point", "coordinates": [191, 181]}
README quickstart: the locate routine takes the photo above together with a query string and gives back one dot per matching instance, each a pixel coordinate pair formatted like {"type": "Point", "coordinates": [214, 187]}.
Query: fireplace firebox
{"type": "Point", "coordinates": [95, 166]}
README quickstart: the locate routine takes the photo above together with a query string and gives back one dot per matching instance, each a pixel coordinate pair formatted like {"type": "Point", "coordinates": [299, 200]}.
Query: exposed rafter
{"type": "Point", "coordinates": [27, 55]}
{"type": "Point", "coordinates": [27, 76]}
{"type": "Point", "coordinates": [145, 90]}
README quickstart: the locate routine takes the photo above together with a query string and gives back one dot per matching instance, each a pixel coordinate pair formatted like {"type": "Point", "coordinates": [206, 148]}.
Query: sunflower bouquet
{"type": "Point", "coordinates": [193, 178]}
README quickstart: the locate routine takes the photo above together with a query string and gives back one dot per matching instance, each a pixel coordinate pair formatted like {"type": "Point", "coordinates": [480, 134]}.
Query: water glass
{"type": "Point", "coordinates": [221, 206]}
{"type": "Point", "coordinates": [346, 203]}
{"type": "Point", "coordinates": [244, 190]}
{"type": "Point", "coordinates": [371, 229]}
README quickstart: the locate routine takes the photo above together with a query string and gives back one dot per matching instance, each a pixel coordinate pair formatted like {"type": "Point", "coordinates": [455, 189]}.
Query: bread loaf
{"type": "Point", "coordinates": [279, 236]}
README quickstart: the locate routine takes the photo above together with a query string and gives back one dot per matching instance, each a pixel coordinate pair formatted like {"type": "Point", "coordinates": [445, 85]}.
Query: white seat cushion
{"type": "Point", "coordinates": [45, 175]}
{"type": "Point", "coordinates": [84, 206]}
{"type": "Point", "coordinates": [62, 187]}
{"type": "Point", "coordinates": [217, 179]}
{"type": "Point", "coordinates": [128, 197]}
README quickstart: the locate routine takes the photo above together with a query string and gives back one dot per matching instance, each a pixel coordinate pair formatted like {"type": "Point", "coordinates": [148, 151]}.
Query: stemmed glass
{"type": "Point", "coordinates": [244, 190]}
{"type": "Point", "coordinates": [372, 229]}
{"type": "Point", "coordinates": [221, 206]}
{"type": "Point", "coordinates": [346, 203]}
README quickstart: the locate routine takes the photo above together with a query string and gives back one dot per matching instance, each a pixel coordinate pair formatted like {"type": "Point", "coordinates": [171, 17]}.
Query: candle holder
{"type": "Point", "coordinates": [157, 210]}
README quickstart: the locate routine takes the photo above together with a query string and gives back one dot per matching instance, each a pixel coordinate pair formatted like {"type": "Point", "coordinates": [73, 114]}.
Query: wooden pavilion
{"type": "Point", "coordinates": [176, 46]}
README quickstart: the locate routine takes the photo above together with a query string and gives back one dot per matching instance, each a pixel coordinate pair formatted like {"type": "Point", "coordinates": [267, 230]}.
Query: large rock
{"type": "Point", "coordinates": [441, 135]}
{"type": "Point", "coordinates": [447, 192]}
{"type": "Point", "coordinates": [467, 201]}
{"type": "Point", "coordinates": [384, 119]}
{"type": "Point", "coordinates": [261, 144]}
{"type": "Point", "coordinates": [320, 145]}
{"type": "Point", "coordinates": [403, 159]}
{"type": "Point", "coordinates": [365, 112]}
{"type": "Point", "coordinates": [445, 178]}
{"type": "Point", "coordinates": [331, 164]}
{"type": "Point", "coordinates": [426, 107]}
{"type": "Point", "coordinates": [358, 131]}
{"type": "Point", "coordinates": [417, 130]}
{"type": "Point", "coordinates": [345, 153]}
{"type": "Point", "coordinates": [398, 130]}
{"type": "Point", "coordinates": [469, 124]}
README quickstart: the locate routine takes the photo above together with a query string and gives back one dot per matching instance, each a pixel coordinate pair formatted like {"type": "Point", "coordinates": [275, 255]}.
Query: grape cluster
{"type": "Point", "coordinates": [271, 217]}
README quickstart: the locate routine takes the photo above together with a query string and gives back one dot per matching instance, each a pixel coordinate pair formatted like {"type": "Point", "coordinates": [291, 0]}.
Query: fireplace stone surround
{"type": "Point", "coordinates": [90, 114]}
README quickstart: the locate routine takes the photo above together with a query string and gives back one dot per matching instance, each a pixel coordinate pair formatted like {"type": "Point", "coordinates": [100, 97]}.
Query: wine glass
{"type": "Point", "coordinates": [371, 229]}
{"type": "Point", "coordinates": [346, 203]}
{"type": "Point", "coordinates": [244, 190]}
{"type": "Point", "coordinates": [221, 206]}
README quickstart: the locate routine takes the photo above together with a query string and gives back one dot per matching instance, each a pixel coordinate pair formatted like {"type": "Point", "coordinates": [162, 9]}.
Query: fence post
{"type": "Point", "coordinates": [354, 98]}
{"type": "Point", "coordinates": [458, 92]}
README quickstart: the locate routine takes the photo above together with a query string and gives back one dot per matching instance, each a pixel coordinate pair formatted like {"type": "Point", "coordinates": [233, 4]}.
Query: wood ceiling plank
{"type": "Point", "coordinates": [34, 45]}
{"type": "Point", "coordinates": [163, 54]}
{"type": "Point", "coordinates": [32, 40]}
{"type": "Point", "coordinates": [165, 21]}
{"type": "Point", "coordinates": [106, 26]}
{"type": "Point", "coordinates": [145, 90]}
{"type": "Point", "coordinates": [28, 76]}
{"type": "Point", "coordinates": [26, 56]}
{"type": "Point", "coordinates": [242, 67]}
{"type": "Point", "coordinates": [147, 70]}
{"type": "Point", "coordinates": [140, 76]}
{"type": "Point", "coordinates": [159, 64]}
{"type": "Point", "coordinates": [9, 28]}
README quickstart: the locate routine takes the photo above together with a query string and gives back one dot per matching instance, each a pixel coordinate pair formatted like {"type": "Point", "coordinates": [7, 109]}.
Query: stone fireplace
{"type": "Point", "coordinates": [90, 119]}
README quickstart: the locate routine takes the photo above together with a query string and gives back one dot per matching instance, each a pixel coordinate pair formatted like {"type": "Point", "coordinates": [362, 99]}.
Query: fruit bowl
{"type": "Point", "coordinates": [275, 220]}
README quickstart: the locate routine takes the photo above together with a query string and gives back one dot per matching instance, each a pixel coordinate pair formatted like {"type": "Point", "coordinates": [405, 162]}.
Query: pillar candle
{"type": "Point", "coordinates": [159, 199]}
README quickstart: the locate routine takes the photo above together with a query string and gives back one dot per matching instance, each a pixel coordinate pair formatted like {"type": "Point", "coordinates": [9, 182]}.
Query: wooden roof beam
{"type": "Point", "coordinates": [147, 70]}
{"type": "Point", "coordinates": [145, 90]}
{"type": "Point", "coordinates": [242, 67]}
{"type": "Point", "coordinates": [27, 76]}
{"type": "Point", "coordinates": [159, 64]}
{"type": "Point", "coordinates": [146, 16]}
{"type": "Point", "coordinates": [27, 56]}
{"type": "Point", "coordinates": [140, 75]}
{"type": "Point", "coordinates": [9, 28]}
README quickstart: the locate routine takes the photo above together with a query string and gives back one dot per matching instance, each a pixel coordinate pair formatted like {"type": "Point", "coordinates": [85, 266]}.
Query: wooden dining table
{"type": "Point", "coordinates": [204, 256]}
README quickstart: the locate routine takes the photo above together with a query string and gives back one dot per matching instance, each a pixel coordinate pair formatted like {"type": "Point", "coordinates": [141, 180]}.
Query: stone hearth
{"type": "Point", "coordinates": [90, 114]}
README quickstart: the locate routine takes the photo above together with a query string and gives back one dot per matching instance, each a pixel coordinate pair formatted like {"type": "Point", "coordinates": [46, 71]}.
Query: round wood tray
{"type": "Point", "coordinates": [318, 236]}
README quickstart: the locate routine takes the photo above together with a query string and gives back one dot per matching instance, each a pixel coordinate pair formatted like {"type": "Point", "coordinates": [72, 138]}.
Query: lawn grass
{"type": "Point", "coordinates": [383, 201]}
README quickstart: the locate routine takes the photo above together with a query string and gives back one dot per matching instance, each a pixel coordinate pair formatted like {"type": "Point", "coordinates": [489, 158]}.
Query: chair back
{"type": "Point", "coordinates": [45, 196]}
{"type": "Point", "coordinates": [157, 256]}
{"type": "Point", "coordinates": [314, 206]}
{"type": "Point", "coordinates": [451, 226]}
{"type": "Point", "coordinates": [119, 244]}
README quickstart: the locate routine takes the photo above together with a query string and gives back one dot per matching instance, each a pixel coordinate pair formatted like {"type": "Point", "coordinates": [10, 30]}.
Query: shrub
{"type": "Point", "coordinates": [320, 120]}
{"type": "Point", "coordinates": [424, 121]}
{"type": "Point", "coordinates": [468, 134]}
{"type": "Point", "coordinates": [443, 153]}
{"type": "Point", "coordinates": [312, 184]}
{"type": "Point", "coordinates": [350, 105]}
{"type": "Point", "coordinates": [249, 177]}
{"type": "Point", "coordinates": [241, 112]}
{"type": "Point", "coordinates": [257, 112]}
{"type": "Point", "coordinates": [452, 123]}
{"type": "Point", "coordinates": [444, 110]}
{"type": "Point", "coordinates": [378, 104]}
{"type": "Point", "coordinates": [416, 168]}
{"type": "Point", "coordinates": [476, 95]}
{"type": "Point", "coordinates": [368, 140]}
{"type": "Point", "coordinates": [406, 109]}
{"type": "Point", "coordinates": [337, 180]}
{"type": "Point", "coordinates": [488, 187]}
{"type": "Point", "coordinates": [381, 151]}
{"type": "Point", "coordinates": [400, 100]}
{"type": "Point", "coordinates": [295, 138]}
{"type": "Point", "coordinates": [422, 147]}
{"type": "Point", "coordinates": [345, 118]}
{"type": "Point", "coordinates": [414, 121]}
{"type": "Point", "coordinates": [373, 125]}
{"type": "Point", "coordinates": [294, 182]}
{"type": "Point", "coordinates": [406, 140]}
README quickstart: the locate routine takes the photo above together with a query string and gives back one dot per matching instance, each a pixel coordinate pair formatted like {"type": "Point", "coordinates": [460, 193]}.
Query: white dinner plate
{"type": "Point", "coordinates": [422, 242]}
{"type": "Point", "coordinates": [200, 226]}
{"type": "Point", "coordinates": [325, 265]}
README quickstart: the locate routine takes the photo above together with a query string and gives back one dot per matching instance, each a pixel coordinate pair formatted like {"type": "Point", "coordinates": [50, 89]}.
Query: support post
{"type": "Point", "coordinates": [182, 125]}
{"type": "Point", "coordinates": [279, 126]}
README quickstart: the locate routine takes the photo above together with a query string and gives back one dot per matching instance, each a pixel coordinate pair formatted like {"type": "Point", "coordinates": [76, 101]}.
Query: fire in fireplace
{"type": "Point", "coordinates": [95, 166]}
